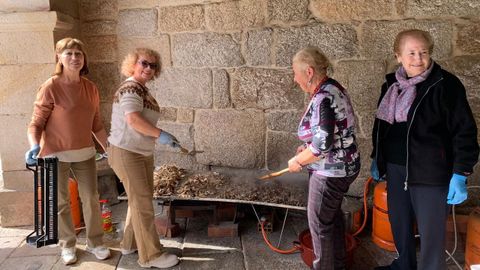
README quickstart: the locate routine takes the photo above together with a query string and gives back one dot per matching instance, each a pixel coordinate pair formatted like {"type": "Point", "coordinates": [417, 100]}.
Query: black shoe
{"type": "Point", "coordinates": [387, 267]}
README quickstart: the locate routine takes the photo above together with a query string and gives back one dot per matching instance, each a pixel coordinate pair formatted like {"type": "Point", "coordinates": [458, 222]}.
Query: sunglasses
{"type": "Point", "coordinates": [146, 64]}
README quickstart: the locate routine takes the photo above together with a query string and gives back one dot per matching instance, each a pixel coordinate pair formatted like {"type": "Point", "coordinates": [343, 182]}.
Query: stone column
{"type": "Point", "coordinates": [27, 59]}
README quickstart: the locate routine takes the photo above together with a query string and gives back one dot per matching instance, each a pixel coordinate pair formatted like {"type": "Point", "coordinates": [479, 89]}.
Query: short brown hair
{"type": "Point", "coordinates": [313, 57]}
{"type": "Point", "coordinates": [70, 43]}
{"type": "Point", "coordinates": [132, 58]}
{"type": "Point", "coordinates": [415, 33]}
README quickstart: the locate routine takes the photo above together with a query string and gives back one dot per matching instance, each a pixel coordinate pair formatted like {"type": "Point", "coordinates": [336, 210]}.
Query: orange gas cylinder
{"type": "Point", "coordinates": [382, 232]}
{"type": "Point", "coordinates": [75, 203]}
{"type": "Point", "coordinates": [472, 249]}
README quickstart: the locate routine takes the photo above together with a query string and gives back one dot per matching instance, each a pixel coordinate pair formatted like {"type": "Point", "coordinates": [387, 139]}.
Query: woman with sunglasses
{"type": "Point", "coordinates": [132, 140]}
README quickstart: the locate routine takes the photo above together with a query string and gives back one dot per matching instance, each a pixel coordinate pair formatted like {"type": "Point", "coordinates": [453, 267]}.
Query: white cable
{"type": "Point", "coordinates": [450, 255]}
{"type": "Point", "coordinates": [455, 261]}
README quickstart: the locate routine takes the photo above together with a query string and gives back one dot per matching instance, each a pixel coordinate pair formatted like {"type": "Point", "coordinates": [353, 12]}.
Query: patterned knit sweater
{"type": "Point", "coordinates": [130, 97]}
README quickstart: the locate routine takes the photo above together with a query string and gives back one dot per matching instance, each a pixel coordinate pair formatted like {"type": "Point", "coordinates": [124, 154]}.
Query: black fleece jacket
{"type": "Point", "coordinates": [441, 134]}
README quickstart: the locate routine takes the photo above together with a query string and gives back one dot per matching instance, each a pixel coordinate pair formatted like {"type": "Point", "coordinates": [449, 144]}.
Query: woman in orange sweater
{"type": "Point", "coordinates": [65, 116]}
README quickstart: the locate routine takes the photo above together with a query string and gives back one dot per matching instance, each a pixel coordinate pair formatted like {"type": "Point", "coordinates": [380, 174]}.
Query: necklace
{"type": "Point", "coordinates": [318, 86]}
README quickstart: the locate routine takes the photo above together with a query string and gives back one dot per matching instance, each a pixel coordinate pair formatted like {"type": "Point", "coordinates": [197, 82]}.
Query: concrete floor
{"type": "Point", "coordinates": [196, 249]}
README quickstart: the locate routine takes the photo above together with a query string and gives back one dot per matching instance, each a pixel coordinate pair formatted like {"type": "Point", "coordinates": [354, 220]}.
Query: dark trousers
{"type": "Point", "coordinates": [326, 220]}
{"type": "Point", "coordinates": [425, 204]}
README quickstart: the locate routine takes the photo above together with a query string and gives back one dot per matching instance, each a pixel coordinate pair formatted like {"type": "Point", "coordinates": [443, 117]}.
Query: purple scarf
{"type": "Point", "coordinates": [394, 105]}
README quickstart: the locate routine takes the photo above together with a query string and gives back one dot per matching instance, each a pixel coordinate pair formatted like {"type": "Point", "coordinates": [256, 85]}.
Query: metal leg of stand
{"type": "Point", "coordinates": [235, 214]}
{"type": "Point", "coordinates": [256, 214]}
{"type": "Point", "coordinates": [283, 227]}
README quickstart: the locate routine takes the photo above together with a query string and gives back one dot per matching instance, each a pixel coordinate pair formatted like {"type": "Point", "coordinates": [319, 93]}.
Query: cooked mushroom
{"type": "Point", "coordinates": [165, 179]}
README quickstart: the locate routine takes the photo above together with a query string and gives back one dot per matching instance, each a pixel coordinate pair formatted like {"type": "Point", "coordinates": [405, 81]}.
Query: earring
{"type": "Point", "coordinates": [309, 83]}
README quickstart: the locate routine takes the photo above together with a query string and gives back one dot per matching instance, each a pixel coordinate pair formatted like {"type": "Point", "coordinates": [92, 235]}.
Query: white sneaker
{"type": "Point", "coordinates": [69, 256]}
{"type": "Point", "coordinates": [166, 260]}
{"type": "Point", "coordinates": [100, 252]}
{"type": "Point", "coordinates": [128, 251]}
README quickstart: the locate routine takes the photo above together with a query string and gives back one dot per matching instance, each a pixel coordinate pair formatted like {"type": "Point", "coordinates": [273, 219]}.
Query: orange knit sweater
{"type": "Point", "coordinates": [64, 116]}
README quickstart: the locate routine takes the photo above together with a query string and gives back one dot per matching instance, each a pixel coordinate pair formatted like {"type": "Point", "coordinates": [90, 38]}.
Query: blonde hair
{"type": "Point", "coordinates": [70, 43]}
{"type": "Point", "coordinates": [312, 57]}
{"type": "Point", "coordinates": [132, 58]}
{"type": "Point", "coordinates": [414, 33]}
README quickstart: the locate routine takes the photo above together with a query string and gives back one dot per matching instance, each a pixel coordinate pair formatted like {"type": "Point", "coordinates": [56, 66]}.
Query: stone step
{"type": "Point", "coordinates": [16, 208]}
{"type": "Point", "coordinates": [21, 180]}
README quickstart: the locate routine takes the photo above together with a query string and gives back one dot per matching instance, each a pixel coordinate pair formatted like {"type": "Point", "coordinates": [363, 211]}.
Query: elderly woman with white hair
{"type": "Point", "coordinates": [425, 145]}
{"type": "Point", "coordinates": [329, 152]}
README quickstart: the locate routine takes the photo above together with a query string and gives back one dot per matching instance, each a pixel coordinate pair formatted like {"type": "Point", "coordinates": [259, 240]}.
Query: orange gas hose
{"type": "Point", "coordinates": [365, 210]}
{"type": "Point", "coordinates": [295, 248]}
{"type": "Point", "coordinates": [281, 251]}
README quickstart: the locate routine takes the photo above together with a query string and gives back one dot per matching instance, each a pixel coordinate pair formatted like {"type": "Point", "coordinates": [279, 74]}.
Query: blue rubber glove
{"type": "Point", "coordinates": [31, 155]}
{"type": "Point", "coordinates": [168, 139]}
{"type": "Point", "coordinates": [374, 172]}
{"type": "Point", "coordinates": [457, 191]}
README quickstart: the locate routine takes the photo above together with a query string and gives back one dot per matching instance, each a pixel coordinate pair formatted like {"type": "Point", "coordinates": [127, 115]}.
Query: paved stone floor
{"type": "Point", "coordinates": [196, 249]}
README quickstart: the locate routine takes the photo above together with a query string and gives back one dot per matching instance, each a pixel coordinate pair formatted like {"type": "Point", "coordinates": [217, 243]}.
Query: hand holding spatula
{"type": "Point", "coordinates": [296, 167]}
{"type": "Point", "coordinates": [168, 139]}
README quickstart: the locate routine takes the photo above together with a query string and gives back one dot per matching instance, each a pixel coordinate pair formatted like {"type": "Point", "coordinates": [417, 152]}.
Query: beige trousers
{"type": "Point", "coordinates": [136, 173]}
{"type": "Point", "coordinates": [85, 173]}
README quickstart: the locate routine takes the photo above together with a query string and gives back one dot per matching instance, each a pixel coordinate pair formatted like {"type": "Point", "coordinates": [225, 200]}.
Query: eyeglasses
{"type": "Point", "coordinates": [146, 64]}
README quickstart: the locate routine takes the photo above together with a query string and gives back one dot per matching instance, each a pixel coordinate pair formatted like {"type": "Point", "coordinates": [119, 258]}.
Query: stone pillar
{"type": "Point", "coordinates": [27, 59]}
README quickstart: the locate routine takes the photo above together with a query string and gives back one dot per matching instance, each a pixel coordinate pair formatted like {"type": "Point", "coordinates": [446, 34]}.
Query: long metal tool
{"type": "Point", "coordinates": [45, 176]}
{"type": "Point", "coordinates": [186, 152]}
{"type": "Point", "coordinates": [275, 174]}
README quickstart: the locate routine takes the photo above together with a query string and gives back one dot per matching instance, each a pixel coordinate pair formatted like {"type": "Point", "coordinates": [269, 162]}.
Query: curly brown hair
{"type": "Point", "coordinates": [132, 58]}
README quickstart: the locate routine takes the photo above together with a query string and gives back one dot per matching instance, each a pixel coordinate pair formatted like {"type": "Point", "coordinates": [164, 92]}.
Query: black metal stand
{"type": "Point", "coordinates": [45, 177]}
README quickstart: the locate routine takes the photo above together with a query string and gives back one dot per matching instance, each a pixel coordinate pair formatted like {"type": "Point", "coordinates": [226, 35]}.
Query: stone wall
{"type": "Point", "coordinates": [28, 32]}
{"type": "Point", "coordinates": [227, 86]}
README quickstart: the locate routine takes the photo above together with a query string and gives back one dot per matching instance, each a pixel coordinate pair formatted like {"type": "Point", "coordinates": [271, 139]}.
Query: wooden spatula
{"type": "Point", "coordinates": [275, 174]}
